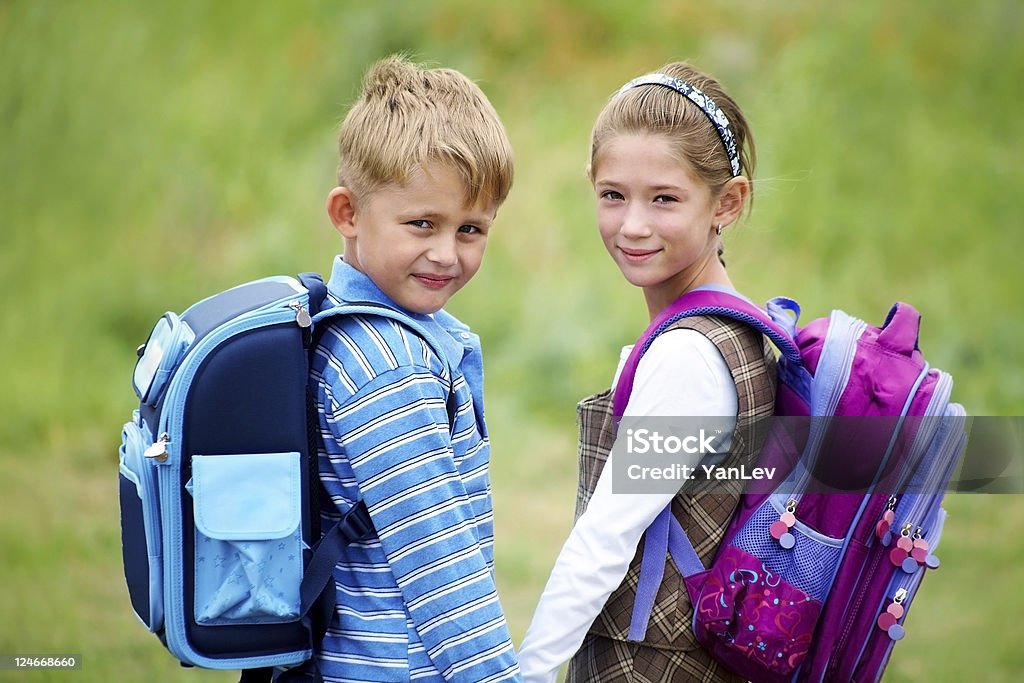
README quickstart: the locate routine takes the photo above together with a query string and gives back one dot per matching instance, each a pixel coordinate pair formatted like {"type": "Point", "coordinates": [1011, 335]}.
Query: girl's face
{"type": "Point", "coordinates": [656, 219]}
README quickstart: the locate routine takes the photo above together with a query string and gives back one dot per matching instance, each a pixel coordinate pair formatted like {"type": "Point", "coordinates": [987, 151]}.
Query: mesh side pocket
{"type": "Point", "coordinates": [140, 525]}
{"type": "Point", "coordinates": [809, 565]}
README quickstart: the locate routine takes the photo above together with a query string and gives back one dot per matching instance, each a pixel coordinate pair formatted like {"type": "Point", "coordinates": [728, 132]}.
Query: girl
{"type": "Point", "coordinates": [671, 161]}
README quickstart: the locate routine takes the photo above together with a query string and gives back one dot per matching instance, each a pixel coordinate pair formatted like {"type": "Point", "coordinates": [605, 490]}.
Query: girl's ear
{"type": "Point", "coordinates": [732, 200]}
{"type": "Point", "coordinates": [341, 208]}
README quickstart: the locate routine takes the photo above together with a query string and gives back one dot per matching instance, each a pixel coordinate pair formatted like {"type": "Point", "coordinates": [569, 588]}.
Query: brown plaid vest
{"type": "Point", "coordinates": [703, 512]}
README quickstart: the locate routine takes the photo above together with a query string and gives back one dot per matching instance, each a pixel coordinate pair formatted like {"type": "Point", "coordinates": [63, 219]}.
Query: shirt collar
{"type": "Point", "coordinates": [350, 285]}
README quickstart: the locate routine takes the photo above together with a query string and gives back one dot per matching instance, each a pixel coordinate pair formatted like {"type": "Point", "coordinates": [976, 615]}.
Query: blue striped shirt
{"type": "Point", "coordinates": [417, 601]}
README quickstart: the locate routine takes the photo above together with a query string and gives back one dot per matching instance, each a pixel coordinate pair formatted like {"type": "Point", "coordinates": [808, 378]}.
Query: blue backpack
{"type": "Point", "coordinates": [220, 495]}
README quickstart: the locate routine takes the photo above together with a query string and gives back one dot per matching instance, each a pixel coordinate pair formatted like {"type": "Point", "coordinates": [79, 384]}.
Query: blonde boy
{"type": "Point", "coordinates": [425, 164]}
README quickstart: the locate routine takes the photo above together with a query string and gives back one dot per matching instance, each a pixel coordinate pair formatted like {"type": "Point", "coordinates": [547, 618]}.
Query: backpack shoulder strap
{"type": "Point", "coordinates": [665, 534]}
{"type": "Point", "coordinates": [317, 589]}
{"type": "Point", "coordinates": [320, 307]}
{"type": "Point", "coordinates": [317, 288]}
{"type": "Point", "coordinates": [370, 308]}
{"type": "Point", "coordinates": [778, 323]}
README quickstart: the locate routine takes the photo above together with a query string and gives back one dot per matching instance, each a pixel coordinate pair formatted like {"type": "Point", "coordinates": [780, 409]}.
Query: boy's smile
{"type": "Point", "coordinates": [419, 242]}
{"type": "Point", "coordinates": [433, 281]}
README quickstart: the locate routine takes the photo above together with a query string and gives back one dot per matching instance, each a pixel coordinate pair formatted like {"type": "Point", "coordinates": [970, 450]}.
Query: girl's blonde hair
{"type": "Point", "coordinates": [658, 110]}
{"type": "Point", "coordinates": [407, 116]}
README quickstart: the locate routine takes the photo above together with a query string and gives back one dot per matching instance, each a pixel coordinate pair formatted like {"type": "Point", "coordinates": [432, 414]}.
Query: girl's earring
{"type": "Point", "coordinates": [718, 230]}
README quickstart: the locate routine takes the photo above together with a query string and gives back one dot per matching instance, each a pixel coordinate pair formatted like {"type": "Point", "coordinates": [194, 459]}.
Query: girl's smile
{"type": "Point", "coordinates": [638, 256]}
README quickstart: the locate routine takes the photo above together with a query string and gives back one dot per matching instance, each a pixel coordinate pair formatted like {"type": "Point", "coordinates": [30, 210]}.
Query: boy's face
{"type": "Point", "coordinates": [419, 242]}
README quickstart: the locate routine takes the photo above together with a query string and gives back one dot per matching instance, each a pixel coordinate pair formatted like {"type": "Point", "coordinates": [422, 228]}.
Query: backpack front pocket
{"type": "Point", "coordinates": [140, 524]}
{"type": "Point", "coordinates": [248, 557]}
{"type": "Point", "coordinates": [760, 602]}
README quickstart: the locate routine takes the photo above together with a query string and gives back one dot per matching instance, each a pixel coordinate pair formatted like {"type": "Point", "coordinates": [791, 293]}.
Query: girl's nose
{"type": "Point", "coordinates": [634, 226]}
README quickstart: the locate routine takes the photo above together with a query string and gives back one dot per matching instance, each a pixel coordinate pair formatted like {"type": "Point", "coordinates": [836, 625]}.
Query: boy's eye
{"type": "Point", "coordinates": [470, 229]}
{"type": "Point", "coordinates": [419, 224]}
{"type": "Point", "coordinates": [611, 194]}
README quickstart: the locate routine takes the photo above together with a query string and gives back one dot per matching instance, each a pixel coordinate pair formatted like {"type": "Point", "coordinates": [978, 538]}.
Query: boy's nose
{"type": "Point", "coordinates": [443, 251]}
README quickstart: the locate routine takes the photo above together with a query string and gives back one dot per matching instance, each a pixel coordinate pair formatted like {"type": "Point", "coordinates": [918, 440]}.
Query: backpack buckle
{"type": "Point", "coordinates": [356, 524]}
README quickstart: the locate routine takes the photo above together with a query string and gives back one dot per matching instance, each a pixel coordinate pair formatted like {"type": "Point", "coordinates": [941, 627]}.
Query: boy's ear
{"type": "Point", "coordinates": [732, 200]}
{"type": "Point", "coordinates": [341, 208]}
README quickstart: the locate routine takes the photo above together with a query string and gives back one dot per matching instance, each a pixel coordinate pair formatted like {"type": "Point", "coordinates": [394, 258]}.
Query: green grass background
{"type": "Point", "coordinates": [153, 153]}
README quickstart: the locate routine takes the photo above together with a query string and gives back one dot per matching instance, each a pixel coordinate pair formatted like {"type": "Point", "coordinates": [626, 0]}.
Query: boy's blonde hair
{"type": "Point", "coordinates": [407, 116]}
{"type": "Point", "coordinates": [693, 139]}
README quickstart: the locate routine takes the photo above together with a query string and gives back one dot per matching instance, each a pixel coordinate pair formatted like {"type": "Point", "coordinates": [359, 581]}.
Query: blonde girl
{"type": "Point", "coordinates": [671, 165]}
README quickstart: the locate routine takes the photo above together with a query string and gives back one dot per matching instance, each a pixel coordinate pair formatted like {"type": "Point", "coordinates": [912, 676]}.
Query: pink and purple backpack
{"type": "Point", "coordinates": [818, 569]}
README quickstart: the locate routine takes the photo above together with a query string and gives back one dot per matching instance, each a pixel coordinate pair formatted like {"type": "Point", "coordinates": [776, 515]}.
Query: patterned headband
{"type": "Point", "coordinates": [703, 102]}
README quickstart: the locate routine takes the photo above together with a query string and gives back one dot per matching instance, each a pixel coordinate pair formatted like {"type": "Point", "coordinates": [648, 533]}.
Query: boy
{"type": "Point", "coordinates": [425, 163]}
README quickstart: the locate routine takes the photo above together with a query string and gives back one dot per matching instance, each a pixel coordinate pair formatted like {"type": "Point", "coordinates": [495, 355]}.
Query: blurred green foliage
{"type": "Point", "coordinates": [154, 153]}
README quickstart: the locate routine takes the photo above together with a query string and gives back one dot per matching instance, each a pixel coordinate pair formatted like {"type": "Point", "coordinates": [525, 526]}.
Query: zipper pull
{"type": "Point", "coordinates": [158, 450]}
{"type": "Point", "coordinates": [779, 530]}
{"type": "Point", "coordinates": [900, 555]}
{"type": "Point", "coordinates": [302, 318]}
{"type": "Point", "coordinates": [883, 528]}
{"type": "Point", "coordinates": [905, 543]}
{"type": "Point", "coordinates": [887, 621]}
{"type": "Point", "coordinates": [922, 551]}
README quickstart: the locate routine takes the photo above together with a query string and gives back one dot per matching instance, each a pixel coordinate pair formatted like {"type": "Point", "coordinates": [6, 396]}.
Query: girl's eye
{"type": "Point", "coordinates": [419, 224]}
{"type": "Point", "coordinates": [664, 199]}
{"type": "Point", "coordinates": [611, 194]}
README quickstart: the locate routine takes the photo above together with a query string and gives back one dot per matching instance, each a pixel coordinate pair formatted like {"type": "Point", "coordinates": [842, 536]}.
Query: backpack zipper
{"type": "Point", "coordinates": [941, 466]}
{"type": "Point", "coordinates": [919, 505]}
{"type": "Point", "coordinates": [302, 318]}
{"type": "Point", "coordinates": [907, 585]}
{"type": "Point", "coordinates": [844, 331]}
{"type": "Point", "coordinates": [904, 585]}
{"type": "Point", "coordinates": [910, 478]}
{"type": "Point", "coordinates": [867, 573]}
{"type": "Point", "coordinates": [158, 449]}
